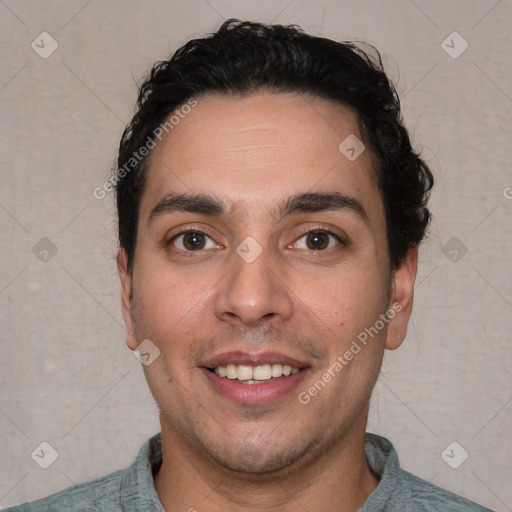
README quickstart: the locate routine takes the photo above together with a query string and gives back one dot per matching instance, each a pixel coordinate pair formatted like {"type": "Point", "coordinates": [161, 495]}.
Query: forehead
{"type": "Point", "coordinates": [255, 150]}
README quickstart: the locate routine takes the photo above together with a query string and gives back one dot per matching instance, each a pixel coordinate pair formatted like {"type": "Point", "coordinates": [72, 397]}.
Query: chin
{"type": "Point", "coordinates": [255, 460]}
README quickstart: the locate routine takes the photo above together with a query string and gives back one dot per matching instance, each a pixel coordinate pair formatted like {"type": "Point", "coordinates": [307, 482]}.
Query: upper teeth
{"type": "Point", "coordinates": [260, 372]}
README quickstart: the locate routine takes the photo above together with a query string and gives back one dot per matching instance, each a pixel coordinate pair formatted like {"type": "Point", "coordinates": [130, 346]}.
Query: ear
{"type": "Point", "coordinates": [402, 293]}
{"type": "Point", "coordinates": [126, 298]}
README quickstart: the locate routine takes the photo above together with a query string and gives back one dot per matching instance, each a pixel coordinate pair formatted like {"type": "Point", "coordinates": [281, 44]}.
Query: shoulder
{"type": "Point", "coordinates": [427, 497]}
{"type": "Point", "coordinates": [100, 494]}
{"type": "Point", "coordinates": [400, 490]}
{"type": "Point", "coordinates": [129, 489]}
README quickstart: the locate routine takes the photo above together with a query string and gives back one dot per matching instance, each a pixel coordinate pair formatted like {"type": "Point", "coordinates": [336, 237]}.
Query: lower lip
{"type": "Point", "coordinates": [253, 394]}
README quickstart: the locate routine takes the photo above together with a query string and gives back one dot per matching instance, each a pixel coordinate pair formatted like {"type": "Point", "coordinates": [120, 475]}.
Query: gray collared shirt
{"type": "Point", "coordinates": [133, 490]}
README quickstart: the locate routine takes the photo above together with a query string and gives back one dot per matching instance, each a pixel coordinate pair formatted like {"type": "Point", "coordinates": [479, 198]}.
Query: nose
{"type": "Point", "coordinates": [254, 293]}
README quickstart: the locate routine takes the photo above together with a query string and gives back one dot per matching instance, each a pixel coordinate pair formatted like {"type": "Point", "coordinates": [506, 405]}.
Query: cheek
{"type": "Point", "coordinates": [347, 300]}
{"type": "Point", "coordinates": [161, 285]}
{"type": "Point", "coordinates": [163, 300]}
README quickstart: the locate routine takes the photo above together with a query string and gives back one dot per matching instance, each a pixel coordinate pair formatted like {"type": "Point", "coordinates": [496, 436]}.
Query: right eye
{"type": "Point", "coordinates": [191, 241]}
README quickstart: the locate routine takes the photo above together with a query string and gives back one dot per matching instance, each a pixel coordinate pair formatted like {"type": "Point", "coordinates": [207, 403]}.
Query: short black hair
{"type": "Point", "coordinates": [243, 57]}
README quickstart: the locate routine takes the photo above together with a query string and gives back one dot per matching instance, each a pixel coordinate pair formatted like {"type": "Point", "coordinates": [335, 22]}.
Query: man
{"type": "Point", "coordinates": [270, 211]}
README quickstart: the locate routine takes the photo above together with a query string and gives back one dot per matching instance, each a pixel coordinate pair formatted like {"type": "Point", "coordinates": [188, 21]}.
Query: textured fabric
{"type": "Point", "coordinates": [398, 490]}
{"type": "Point", "coordinates": [132, 490]}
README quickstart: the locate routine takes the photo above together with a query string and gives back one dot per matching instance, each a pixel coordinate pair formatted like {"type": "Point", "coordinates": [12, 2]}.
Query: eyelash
{"type": "Point", "coordinates": [312, 231]}
{"type": "Point", "coordinates": [303, 232]}
{"type": "Point", "coordinates": [190, 230]}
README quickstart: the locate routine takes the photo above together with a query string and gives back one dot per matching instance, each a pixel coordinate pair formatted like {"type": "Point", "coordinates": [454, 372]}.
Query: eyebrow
{"type": "Point", "coordinates": [306, 202]}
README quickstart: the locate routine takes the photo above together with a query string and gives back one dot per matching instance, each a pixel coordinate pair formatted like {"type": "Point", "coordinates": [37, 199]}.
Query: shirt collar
{"type": "Point", "coordinates": [383, 461]}
{"type": "Point", "coordinates": [137, 486]}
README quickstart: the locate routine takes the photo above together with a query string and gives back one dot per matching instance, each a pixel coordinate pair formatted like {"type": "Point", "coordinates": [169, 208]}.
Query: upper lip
{"type": "Point", "coordinates": [256, 359]}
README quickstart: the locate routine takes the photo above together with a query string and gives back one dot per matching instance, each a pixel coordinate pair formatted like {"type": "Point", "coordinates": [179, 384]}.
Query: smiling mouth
{"type": "Point", "coordinates": [258, 374]}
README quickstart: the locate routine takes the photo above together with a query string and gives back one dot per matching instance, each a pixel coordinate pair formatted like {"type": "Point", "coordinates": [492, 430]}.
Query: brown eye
{"type": "Point", "coordinates": [317, 241]}
{"type": "Point", "coordinates": [192, 241]}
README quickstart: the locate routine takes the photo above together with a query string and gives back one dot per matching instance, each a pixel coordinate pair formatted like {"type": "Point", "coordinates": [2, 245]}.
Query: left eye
{"type": "Point", "coordinates": [193, 241]}
{"type": "Point", "coordinates": [317, 241]}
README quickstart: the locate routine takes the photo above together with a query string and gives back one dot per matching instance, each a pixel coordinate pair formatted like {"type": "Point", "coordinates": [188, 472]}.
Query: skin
{"type": "Point", "coordinates": [254, 152]}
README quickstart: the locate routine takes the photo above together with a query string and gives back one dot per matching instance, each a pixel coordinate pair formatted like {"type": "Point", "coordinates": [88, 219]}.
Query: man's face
{"type": "Point", "coordinates": [264, 278]}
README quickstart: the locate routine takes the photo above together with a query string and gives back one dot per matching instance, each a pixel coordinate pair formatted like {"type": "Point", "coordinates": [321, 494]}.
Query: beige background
{"type": "Point", "coordinates": [66, 376]}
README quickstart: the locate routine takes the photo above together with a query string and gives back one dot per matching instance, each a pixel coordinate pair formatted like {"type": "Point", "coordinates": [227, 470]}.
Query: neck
{"type": "Point", "coordinates": [338, 478]}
